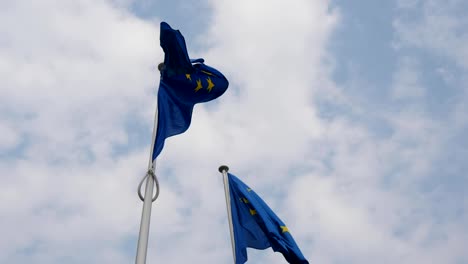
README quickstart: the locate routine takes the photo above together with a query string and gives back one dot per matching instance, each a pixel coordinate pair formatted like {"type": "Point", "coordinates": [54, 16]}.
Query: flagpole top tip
{"type": "Point", "coordinates": [223, 168]}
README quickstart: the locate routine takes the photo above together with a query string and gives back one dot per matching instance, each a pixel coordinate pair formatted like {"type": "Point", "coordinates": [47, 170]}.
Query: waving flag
{"type": "Point", "coordinates": [183, 84]}
{"type": "Point", "coordinates": [255, 225]}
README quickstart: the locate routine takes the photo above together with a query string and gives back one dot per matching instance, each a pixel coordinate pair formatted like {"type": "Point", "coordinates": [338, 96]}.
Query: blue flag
{"type": "Point", "coordinates": [184, 83]}
{"type": "Point", "coordinates": [255, 225]}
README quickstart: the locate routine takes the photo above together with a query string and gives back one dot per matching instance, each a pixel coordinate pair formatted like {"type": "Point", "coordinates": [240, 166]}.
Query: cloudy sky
{"type": "Point", "coordinates": [348, 117]}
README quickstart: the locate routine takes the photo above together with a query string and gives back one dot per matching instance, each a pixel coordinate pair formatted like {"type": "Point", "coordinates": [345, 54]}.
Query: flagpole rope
{"type": "Point", "coordinates": [151, 174]}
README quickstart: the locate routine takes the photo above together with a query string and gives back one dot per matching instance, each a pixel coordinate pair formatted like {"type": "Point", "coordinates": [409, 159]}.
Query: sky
{"type": "Point", "coordinates": [347, 117]}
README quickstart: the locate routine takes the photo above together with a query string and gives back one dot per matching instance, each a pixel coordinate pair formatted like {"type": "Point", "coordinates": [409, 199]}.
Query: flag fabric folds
{"type": "Point", "coordinates": [184, 83]}
{"type": "Point", "coordinates": [255, 225]}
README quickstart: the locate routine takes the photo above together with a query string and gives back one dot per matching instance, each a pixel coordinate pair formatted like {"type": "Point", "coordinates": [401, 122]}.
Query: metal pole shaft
{"type": "Point", "coordinates": [142, 247]}
{"type": "Point", "coordinates": [224, 169]}
{"type": "Point", "coordinates": [145, 222]}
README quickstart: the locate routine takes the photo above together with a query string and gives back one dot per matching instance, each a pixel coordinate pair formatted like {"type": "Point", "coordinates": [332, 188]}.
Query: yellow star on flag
{"type": "Point", "coordinates": [199, 86]}
{"type": "Point", "coordinates": [210, 84]}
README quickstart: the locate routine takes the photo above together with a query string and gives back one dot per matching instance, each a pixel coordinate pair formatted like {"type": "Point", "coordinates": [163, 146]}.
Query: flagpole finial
{"type": "Point", "coordinates": [223, 168]}
{"type": "Point", "coordinates": [161, 66]}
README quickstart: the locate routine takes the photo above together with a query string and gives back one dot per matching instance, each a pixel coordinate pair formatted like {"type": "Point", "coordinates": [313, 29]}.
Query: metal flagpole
{"type": "Point", "coordinates": [224, 169]}
{"type": "Point", "coordinates": [151, 181]}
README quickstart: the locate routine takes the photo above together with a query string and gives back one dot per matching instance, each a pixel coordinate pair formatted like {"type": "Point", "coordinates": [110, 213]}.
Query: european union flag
{"type": "Point", "coordinates": [255, 225]}
{"type": "Point", "coordinates": [184, 83]}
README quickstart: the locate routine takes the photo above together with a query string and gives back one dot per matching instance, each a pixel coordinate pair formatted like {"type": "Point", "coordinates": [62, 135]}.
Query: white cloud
{"type": "Point", "coordinates": [71, 74]}
{"type": "Point", "coordinates": [440, 28]}
{"type": "Point", "coordinates": [74, 72]}
{"type": "Point", "coordinates": [407, 80]}
{"type": "Point", "coordinates": [67, 68]}
{"type": "Point", "coordinates": [9, 137]}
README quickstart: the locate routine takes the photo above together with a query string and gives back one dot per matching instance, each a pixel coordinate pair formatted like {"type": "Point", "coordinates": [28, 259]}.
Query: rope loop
{"type": "Point", "coordinates": [150, 173]}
